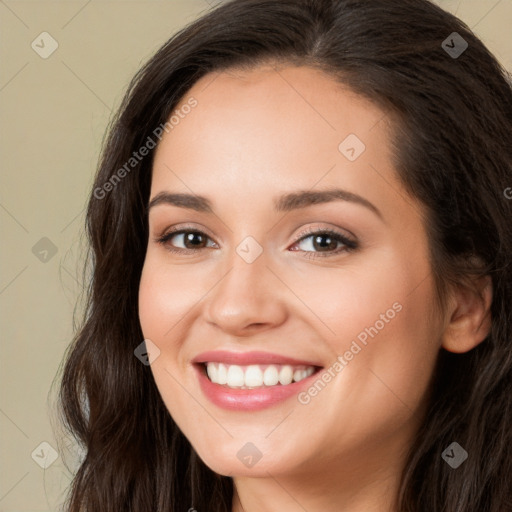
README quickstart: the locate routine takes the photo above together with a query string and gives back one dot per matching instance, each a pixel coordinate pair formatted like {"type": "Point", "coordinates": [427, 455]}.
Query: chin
{"type": "Point", "coordinates": [241, 458]}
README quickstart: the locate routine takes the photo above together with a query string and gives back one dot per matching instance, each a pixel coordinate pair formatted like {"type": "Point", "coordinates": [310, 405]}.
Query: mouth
{"type": "Point", "coordinates": [256, 376]}
{"type": "Point", "coordinates": [251, 381]}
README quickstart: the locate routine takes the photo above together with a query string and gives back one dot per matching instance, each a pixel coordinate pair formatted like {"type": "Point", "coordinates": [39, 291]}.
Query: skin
{"type": "Point", "coordinates": [253, 136]}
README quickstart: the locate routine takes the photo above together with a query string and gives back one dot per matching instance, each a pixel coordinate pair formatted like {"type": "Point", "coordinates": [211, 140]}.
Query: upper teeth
{"type": "Point", "coordinates": [254, 375]}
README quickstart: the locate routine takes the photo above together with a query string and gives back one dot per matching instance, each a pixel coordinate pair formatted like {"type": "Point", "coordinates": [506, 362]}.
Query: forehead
{"type": "Point", "coordinates": [293, 101]}
{"type": "Point", "coordinates": [273, 128]}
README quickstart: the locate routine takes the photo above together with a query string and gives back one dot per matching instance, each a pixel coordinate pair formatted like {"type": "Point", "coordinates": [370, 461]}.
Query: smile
{"type": "Point", "coordinates": [250, 381]}
{"type": "Point", "coordinates": [256, 376]}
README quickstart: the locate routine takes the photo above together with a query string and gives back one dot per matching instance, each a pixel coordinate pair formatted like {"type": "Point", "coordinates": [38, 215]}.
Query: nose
{"type": "Point", "coordinates": [248, 299]}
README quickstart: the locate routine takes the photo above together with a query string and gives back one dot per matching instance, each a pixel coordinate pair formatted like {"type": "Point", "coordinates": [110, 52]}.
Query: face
{"type": "Point", "coordinates": [254, 268]}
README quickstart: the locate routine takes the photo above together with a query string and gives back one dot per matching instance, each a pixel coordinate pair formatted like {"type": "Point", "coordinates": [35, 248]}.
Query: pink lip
{"type": "Point", "coordinates": [246, 358]}
{"type": "Point", "coordinates": [249, 399]}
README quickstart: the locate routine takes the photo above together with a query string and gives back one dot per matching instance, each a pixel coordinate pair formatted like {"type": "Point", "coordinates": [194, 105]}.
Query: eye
{"type": "Point", "coordinates": [324, 243]}
{"type": "Point", "coordinates": [317, 243]}
{"type": "Point", "coordinates": [192, 240]}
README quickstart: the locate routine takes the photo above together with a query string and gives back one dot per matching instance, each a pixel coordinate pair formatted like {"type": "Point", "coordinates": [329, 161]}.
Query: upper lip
{"type": "Point", "coordinates": [247, 358]}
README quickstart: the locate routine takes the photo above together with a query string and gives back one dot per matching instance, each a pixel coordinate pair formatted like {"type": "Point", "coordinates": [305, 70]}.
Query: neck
{"type": "Point", "coordinates": [274, 494]}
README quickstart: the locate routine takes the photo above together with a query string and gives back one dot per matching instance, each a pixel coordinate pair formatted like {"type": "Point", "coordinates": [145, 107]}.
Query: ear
{"type": "Point", "coordinates": [470, 316]}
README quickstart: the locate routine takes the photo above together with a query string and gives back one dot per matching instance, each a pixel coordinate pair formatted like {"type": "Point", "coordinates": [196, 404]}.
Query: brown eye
{"type": "Point", "coordinates": [193, 239]}
{"type": "Point", "coordinates": [190, 240]}
{"type": "Point", "coordinates": [324, 242]}
{"type": "Point", "coordinates": [328, 242]}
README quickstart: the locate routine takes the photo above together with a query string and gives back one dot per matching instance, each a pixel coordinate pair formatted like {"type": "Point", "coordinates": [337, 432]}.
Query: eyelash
{"type": "Point", "coordinates": [349, 245]}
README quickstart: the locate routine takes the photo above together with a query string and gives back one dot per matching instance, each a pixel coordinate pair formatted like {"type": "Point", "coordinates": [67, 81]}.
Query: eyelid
{"type": "Point", "coordinates": [184, 227]}
{"type": "Point", "coordinates": [307, 231]}
{"type": "Point", "coordinates": [311, 230]}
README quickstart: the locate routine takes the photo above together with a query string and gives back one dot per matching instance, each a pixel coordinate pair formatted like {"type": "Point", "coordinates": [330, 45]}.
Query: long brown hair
{"type": "Point", "coordinates": [453, 152]}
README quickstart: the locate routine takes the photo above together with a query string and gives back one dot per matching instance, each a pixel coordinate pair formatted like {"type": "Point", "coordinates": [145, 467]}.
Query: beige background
{"type": "Point", "coordinates": [54, 114]}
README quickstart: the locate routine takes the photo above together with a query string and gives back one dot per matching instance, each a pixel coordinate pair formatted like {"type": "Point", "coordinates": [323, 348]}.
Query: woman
{"type": "Point", "coordinates": [301, 288]}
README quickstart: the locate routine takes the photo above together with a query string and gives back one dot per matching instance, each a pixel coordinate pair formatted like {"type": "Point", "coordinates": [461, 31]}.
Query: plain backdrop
{"type": "Point", "coordinates": [54, 112]}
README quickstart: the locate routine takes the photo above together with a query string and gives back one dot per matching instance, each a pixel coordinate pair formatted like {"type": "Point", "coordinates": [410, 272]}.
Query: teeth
{"type": "Point", "coordinates": [271, 376]}
{"type": "Point", "coordinates": [286, 375]}
{"type": "Point", "coordinates": [222, 374]}
{"type": "Point", "coordinates": [255, 376]}
{"type": "Point", "coordinates": [212, 372]}
{"type": "Point", "coordinates": [235, 376]}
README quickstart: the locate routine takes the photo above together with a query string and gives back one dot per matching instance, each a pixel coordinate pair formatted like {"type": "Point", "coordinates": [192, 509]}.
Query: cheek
{"type": "Point", "coordinates": [365, 295]}
{"type": "Point", "coordinates": [407, 358]}
{"type": "Point", "coordinates": [393, 349]}
{"type": "Point", "coordinates": [166, 295]}
{"type": "Point", "coordinates": [163, 306]}
{"type": "Point", "coordinates": [384, 323]}
{"type": "Point", "coordinates": [152, 302]}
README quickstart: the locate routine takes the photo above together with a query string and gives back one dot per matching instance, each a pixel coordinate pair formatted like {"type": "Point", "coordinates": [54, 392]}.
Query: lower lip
{"type": "Point", "coordinates": [249, 399]}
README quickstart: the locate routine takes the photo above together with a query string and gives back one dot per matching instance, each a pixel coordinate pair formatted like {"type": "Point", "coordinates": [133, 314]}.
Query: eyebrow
{"type": "Point", "coordinates": [285, 203]}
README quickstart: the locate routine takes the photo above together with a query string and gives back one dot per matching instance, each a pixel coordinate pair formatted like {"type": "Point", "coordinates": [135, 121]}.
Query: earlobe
{"type": "Point", "coordinates": [470, 321]}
